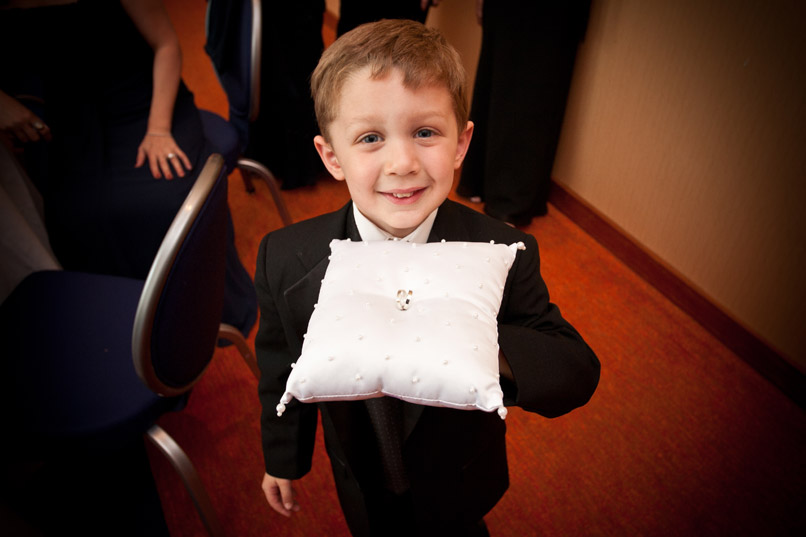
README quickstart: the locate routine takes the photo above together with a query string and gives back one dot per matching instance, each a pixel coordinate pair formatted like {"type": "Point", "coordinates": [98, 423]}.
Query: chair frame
{"type": "Point", "coordinates": [257, 51]}
{"type": "Point", "coordinates": [251, 167]}
{"type": "Point", "coordinates": [158, 275]}
{"type": "Point", "coordinates": [190, 477]}
{"type": "Point", "coordinates": [232, 334]}
{"type": "Point", "coordinates": [141, 337]}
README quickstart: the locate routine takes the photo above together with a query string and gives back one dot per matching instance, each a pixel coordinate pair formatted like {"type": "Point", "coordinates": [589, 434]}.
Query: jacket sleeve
{"type": "Point", "coordinates": [554, 369]}
{"type": "Point", "coordinates": [288, 440]}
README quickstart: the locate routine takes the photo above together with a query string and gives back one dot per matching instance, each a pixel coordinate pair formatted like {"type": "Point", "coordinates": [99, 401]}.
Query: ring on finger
{"type": "Point", "coordinates": [171, 155]}
{"type": "Point", "coordinates": [38, 125]}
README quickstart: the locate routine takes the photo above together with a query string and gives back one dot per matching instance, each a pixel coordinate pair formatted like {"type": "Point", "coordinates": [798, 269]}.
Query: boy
{"type": "Point", "coordinates": [391, 106]}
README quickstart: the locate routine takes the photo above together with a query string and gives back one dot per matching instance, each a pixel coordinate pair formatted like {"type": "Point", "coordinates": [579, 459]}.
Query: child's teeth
{"type": "Point", "coordinates": [406, 195]}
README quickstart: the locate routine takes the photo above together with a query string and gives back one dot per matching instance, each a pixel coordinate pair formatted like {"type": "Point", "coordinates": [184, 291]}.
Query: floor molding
{"type": "Point", "coordinates": [749, 347]}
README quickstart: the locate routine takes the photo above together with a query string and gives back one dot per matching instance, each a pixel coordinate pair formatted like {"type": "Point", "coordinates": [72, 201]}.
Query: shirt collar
{"type": "Point", "coordinates": [371, 232]}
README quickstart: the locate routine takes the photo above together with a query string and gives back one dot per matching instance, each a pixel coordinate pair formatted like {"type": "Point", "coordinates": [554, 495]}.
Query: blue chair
{"type": "Point", "coordinates": [92, 361]}
{"type": "Point", "coordinates": [233, 30]}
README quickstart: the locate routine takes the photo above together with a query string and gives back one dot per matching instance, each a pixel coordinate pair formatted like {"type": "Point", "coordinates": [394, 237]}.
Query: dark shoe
{"type": "Point", "coordinates": [513, 220]}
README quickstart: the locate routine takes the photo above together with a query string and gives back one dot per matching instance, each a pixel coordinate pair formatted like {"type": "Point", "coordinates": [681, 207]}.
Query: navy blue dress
{"type": "Point", "coordinates": [104, 215]}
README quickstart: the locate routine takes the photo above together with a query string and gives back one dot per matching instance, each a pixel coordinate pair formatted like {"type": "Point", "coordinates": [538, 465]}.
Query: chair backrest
{"type": "Point", "coordinates": [234, 39]}
{"type": "Point", "coordinates": [177, 319]}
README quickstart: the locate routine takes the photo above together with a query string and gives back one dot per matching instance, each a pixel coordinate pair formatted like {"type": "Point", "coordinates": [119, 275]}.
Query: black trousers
{"type": "Point", "coordinates": [282, 135]}
{"type": "Point", "coordinates": [524, 74]}
{"type": "Point", "coordinates": [392, 515]}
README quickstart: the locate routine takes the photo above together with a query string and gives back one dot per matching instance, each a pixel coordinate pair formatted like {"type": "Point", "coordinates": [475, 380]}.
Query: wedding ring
{"type": "Point", "coordinates": [38, 125]}
{"type": "Point", "coordinates": [171, 155]}
{"type": "Point", "coordinates": [403, 299]}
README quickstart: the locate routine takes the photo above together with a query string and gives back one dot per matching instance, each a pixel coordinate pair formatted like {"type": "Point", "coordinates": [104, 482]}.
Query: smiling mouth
{"type": "Point", "coordinates": [404, 198]}
{"type": "Point", "coordinates": [399, 195]}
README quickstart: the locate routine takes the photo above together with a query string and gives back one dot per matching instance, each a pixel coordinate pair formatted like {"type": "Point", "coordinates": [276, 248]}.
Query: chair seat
{"type": "Point", "coordinates": [78, 326]}
{"type": "Point", "coordinates": [223, 136]}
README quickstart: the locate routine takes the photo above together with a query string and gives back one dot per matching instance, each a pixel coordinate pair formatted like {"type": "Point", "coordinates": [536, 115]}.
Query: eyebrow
{"type": "Point", "coordinates": [422, 116]}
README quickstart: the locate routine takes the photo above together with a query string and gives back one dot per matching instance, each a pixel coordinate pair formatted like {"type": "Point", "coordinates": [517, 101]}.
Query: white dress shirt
{"type": "Point", "coordinates": [371, 232]}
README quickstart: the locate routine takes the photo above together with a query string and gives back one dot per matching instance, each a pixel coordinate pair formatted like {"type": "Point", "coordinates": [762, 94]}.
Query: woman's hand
{"type": "Point", "coordinates": [158, 146]}
{"type": "Point", "coordinates": [18, 121]}
{"type": "Point", "coordinates": [163, 154]}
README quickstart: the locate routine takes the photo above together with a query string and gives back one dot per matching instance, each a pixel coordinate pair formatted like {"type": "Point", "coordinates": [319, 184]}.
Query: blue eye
{"type": "Point", "coordinates": [424, 133]}
{"type": "Point", "coordinates": [370, 139]}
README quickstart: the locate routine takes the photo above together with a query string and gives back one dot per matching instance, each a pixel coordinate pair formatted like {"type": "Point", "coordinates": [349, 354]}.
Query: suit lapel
{"type": "Point", "coordinates": [303, 294]}
{"type": "Point", "coordinates": [301, 297]}
{"type": "Point", "coordinates": [448, 224]}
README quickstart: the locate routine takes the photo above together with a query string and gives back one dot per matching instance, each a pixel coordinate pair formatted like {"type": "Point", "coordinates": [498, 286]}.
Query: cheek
{"type": "Point", "coordinates": [447, 163]}
{"type": "Point", "coordinates": [360, 180]}
{"type": "Point", "coordinates": [361, 169]}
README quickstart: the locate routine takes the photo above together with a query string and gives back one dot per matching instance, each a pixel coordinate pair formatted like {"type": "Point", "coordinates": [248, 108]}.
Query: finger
{"type": "Point", "coordinates": [21, 134]}
{"type": "Point", "coordinates": [288, 496]}
{"type": "Point", "coordinates": [154, 166]}
{"type": "Point", "coordinates": [31, 132]}
{"type": "Point", "coordinates": [40, 129]}
{"type": "Point", "coordinates": [177, 166]}
{"type": "Point", "coordinates": [141, 157]}
{"type": "Point", "coordinates": [45, 133]}
{"type": "Point", "coordinates": [272, 493]}
{"type": "Point", "coordinates": [185, 160]}
{"type": "Point", "coordinates": [165, 166]}
{"type": "Point", "coordinates": [180, 162]}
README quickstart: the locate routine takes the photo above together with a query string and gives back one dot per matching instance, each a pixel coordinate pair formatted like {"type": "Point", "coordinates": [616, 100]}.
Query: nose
{"type": "Point", "coordinates": [401, 159]}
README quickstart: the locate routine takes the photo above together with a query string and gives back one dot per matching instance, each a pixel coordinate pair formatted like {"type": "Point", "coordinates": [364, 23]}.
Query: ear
{"type": "Point", "coordinates": [328, 157]}
{"type": "Point", "coordinates": [462, 144]}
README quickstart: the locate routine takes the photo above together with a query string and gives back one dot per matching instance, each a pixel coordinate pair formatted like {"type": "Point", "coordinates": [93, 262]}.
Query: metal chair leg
{"type": "Point", "coordinates": [181, 463]}
{"type": "Point", "coordinates": [247, 181]}
{"type": "Point", "coordinates": [256, 168]}
{"type": "Point", "coordinates": [230, 333]}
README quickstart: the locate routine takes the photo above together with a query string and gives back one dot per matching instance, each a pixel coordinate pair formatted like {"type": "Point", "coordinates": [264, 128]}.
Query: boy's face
{"type": "Point", "coordinates": [397, 149]}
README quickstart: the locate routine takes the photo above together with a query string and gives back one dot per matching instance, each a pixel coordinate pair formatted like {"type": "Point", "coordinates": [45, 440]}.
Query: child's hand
{"type": "Point", "coordinates": [280, 495]}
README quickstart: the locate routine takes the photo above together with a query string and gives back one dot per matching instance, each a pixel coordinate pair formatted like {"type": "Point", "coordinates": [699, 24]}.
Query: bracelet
{"type": "Point", "coordinates": [158, 134]}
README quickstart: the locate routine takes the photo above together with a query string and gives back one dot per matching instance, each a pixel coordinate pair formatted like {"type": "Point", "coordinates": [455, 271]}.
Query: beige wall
{"type": "Point", "coordinates": [456, 19]}
{"type": "Point", "coordinates": [686, 128]}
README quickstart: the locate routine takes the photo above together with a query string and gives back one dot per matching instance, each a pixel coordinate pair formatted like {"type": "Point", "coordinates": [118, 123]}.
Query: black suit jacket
{"type": "Point", "coordinates": [455, 459]}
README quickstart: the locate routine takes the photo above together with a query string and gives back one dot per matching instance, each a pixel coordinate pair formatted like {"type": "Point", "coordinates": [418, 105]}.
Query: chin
{"type": "Point", "coordinates": [409, 223]}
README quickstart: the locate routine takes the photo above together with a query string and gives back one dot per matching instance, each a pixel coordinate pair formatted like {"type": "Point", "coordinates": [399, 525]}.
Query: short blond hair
{"type": "Point", "coordinates": [423, 56]}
